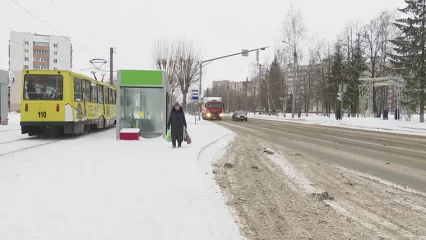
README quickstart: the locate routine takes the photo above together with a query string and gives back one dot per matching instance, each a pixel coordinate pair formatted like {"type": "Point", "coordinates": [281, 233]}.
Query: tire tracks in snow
{"type": "Point", "coordinates": [208, 145]}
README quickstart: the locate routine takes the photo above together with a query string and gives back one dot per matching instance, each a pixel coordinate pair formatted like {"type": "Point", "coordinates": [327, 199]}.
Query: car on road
{"type": "Point", "coordinates": [239, 115]}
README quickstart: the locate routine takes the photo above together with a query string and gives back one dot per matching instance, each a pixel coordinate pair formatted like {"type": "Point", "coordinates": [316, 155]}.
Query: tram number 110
{"type": "Point", "coordinates": [42, 114]}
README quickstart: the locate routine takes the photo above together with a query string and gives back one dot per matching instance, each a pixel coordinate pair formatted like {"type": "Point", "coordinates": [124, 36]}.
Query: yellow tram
{"type": "Point", "coordinates": [57, 102]}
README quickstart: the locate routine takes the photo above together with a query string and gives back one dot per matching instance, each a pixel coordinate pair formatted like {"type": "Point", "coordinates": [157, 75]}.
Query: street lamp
{"type": "Point", "coordinates": [293, 82]}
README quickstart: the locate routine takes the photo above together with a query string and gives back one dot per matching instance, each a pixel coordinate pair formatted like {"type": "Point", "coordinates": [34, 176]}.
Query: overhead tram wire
{"type": "Point", "coordinates": [87, 31]}
{"type": "Point", "coordinates": [17, 3]}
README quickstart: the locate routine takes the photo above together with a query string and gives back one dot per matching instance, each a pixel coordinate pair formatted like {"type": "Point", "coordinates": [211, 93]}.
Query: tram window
{"type": "Point", "coordinates": [100, 94]}
{"type": "Point", "coordinates": [86, 90]}
{"type": "Point", "coordinates": [43, 87]}
{"type": "Point", "coordinates": [114, 95]}
{"type": "Point", "coordinates": [110, 96]}
{"type": "Point", "coordinates": [106, 90]}
{"type": "Point", "coordinates": [77, 90]}
{"type": "Point", "coordinates": [94, 93]}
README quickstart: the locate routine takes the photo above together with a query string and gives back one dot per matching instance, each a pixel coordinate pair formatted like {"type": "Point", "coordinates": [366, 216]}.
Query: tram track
{"type": "Point", "coordinates": [23, 144]}
{"type": "Point", "coordinates": [16, 140]}
{"type": "Point", "coordinates": [11, 147]}
{"type": "Point", "coordinates": [9, 130]}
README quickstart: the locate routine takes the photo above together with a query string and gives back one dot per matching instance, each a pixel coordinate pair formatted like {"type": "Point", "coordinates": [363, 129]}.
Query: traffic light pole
{"type": "Point", "coordinates": [205, 62]}
{"type": "Point", "coordinates": [341, 94]}
{"type": "Point", "coordinates": [341, 106]}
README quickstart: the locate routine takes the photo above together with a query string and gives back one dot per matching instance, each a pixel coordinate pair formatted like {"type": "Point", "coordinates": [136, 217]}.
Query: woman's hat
{"type": "Point", "coordinates": [176, 104]}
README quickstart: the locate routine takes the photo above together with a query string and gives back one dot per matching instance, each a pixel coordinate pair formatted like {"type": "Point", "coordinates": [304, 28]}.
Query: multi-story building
{"type": "Point", "coordinates": [35, 51]}
{"type": "Point", "coordinates": [233, 85]}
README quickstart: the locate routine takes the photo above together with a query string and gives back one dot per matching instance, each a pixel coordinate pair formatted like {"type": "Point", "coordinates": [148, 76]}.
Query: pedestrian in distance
{"type": "Point", "coordinates": [385, 114]}
{"type": "Point", "coordinates": [177, 122]}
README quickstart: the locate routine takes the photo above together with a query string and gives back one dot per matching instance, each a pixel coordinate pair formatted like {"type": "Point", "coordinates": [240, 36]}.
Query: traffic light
{"type": "Point", "coordinates": [339, 96]}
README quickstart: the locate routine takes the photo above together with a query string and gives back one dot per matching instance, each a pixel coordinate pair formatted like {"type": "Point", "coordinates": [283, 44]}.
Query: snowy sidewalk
{"type": "Point", "coordinates": [413, 127]}
{"type": "Point", "coordinates": [95, 187]}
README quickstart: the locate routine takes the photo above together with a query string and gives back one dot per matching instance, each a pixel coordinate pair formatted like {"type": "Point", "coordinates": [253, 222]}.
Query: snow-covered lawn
{"type": "Point", "coordinates": [94, 187]}
{"type": "Point", "coordinates": [377, 124]}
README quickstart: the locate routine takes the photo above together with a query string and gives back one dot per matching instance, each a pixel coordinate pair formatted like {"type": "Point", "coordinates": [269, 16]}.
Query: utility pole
{"type": "Point", "coordinates": [199, 92]}
{"type": "Point", "coordinates": [293, 84]}
{"type": "Point", "coordinates": [260, 81]}
{"type": "Point", "coordinates": [340, 97]}
{"type": "Point", "coordinates": [111, 66]}
{"type": "Point", "coordinates": [246, 94]}
{"type": "Point", "coordinates": [227, 99]}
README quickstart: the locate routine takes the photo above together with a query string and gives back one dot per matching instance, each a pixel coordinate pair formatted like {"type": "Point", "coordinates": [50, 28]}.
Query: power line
{"type": "Point", "coordinates": [87, 31]}
{"type": "Point", "coordinates": [47, 24]}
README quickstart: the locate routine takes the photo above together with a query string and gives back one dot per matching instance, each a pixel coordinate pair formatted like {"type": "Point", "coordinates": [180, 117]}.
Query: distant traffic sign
{"type": "Point", "coordinates": [194, 94]}
{"type": "Point", "coordinates": [245, 52]}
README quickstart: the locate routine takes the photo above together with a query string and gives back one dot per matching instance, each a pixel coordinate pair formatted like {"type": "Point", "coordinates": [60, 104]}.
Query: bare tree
{"type": "Point", "coordinates": [310, 78]}
{"type": "Point", "coordinates": [317, 55]}
{"type": "Point", "coordinates": [377, 35]}
{"type": "Point", "coordinates": [164, 58]}
{"type": "Point", "coordinates": [294, 32]}
{"type": "Point", "coordinates": [187, 66]}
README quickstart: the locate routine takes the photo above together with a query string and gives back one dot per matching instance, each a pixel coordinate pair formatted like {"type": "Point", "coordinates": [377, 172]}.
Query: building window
{"type": "Point", "coordinates": [55, 53]}
{"type": "Point", "coordinates": [41, 67]}
{"type": "Point", "coordinates": [42, 44]}
{"type": "Point", "coordinates": [41, 59]}
{"type": "Point", "coordinates": [26, 67]}
{"type": "Point", "coordinates": [55, 68]}
{"type": "Point", "coordinates": [27, 43]}
{"type": "Point", "coordinates": [41, 51]}
{"type": "Point", "coordinates": [26, 51]}
{"type": "Point", "coordinates": [55, 45]}
{"type": "Point", "coordinates": [55, 60]}
{"type": "Point", "coordinates": [26, 59]}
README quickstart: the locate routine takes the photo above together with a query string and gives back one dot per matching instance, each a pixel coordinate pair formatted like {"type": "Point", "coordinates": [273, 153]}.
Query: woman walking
{"type": "Point", "coordinates": [177, 121]}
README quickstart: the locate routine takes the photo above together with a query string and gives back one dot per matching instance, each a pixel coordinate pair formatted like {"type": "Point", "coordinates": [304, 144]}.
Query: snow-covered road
{"type": "Point", "coordinates": [413, 127]}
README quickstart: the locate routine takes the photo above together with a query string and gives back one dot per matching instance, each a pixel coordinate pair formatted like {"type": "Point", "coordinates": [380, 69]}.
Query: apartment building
{"type": "Point", "coordinates": [36, 51]}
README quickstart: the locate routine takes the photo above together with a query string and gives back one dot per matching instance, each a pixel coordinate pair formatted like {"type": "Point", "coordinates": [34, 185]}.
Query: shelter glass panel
{"type": "Point", "coordinates": [142, 108]}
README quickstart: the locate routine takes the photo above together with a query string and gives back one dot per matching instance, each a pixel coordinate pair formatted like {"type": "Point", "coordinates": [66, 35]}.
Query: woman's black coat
{"type": "Point", "coordinates": [177, 121]}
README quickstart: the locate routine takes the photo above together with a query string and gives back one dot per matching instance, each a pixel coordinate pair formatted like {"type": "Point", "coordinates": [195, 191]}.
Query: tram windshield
{"type": "Point", "coordinates": [43, 87]}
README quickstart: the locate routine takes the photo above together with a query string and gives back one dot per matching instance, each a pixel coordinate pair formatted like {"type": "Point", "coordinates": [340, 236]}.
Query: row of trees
{"type": "Point", "coordinates": [388, 45]}
{"type": "Point", "coordinates": [391, 44]}
{"type": "Point", "coordinates": [180, 60]}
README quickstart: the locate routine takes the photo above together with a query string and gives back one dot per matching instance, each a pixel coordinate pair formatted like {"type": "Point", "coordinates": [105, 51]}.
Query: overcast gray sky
{"type": "Point", "coordinates": [217, 27]}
